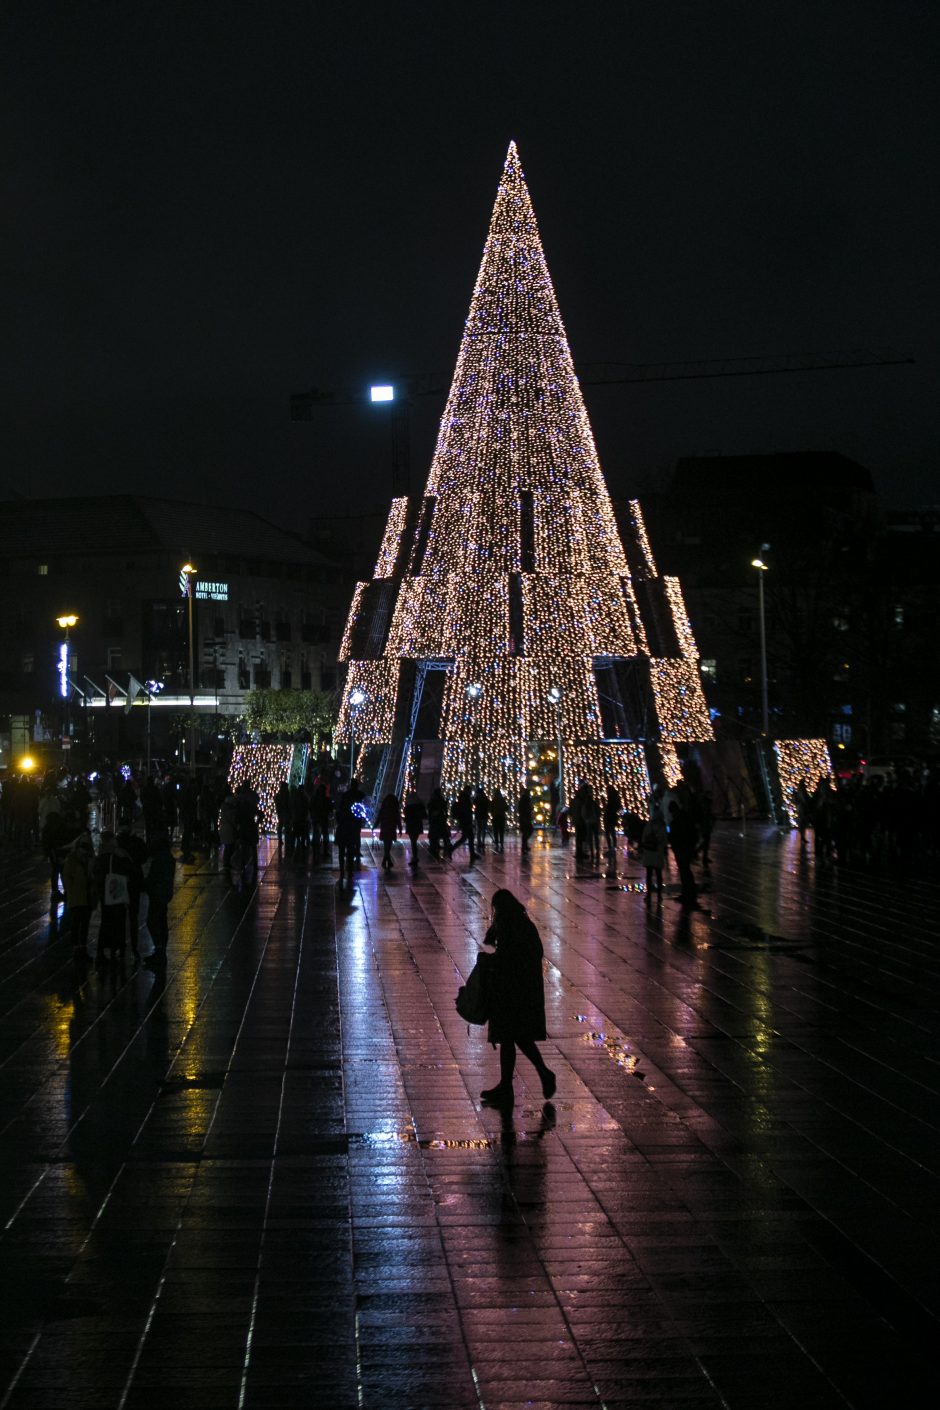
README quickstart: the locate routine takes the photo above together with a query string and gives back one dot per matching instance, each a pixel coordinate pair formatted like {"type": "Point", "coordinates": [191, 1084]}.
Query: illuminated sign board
{"type": "Point", "coordinates": [63, 669]}
{"type": "Point", "coordinates": [204, 591]}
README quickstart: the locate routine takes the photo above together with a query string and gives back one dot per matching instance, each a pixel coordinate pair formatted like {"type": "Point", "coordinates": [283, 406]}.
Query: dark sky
{"type": "Point", "coordinates": [207, 206]}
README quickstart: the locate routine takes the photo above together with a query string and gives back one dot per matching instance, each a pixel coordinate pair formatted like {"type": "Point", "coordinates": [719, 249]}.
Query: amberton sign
{"type": "Point", "coordinates": [203, 590]}
{"type": "Point", "coordinates": [211, 592]}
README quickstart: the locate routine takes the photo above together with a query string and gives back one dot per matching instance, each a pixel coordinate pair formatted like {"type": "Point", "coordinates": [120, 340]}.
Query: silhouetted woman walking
{"type": "Point", "coordinates": [389, 821]}
{"type": "Point", "coordinates": [517, 996]}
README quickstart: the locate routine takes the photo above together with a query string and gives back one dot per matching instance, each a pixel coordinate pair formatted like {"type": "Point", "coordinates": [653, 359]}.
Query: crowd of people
{"type": "Point", "coordinates": [863, 822]}
{"type": "Point", "coordinates": [135, 820]}
{"type": "Point", "coordinates": [61, 813]}
{"type": "Point", "coordinates": [872, 822]}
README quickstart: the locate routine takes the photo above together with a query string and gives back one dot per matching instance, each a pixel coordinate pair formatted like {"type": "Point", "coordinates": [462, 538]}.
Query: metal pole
{"type": "Point", "coordinates": [352, 746]}
{"type": "Point", "coordinates": [561, 758]}
{"type": "Point", "coordinates": [68, 691]}
{"type": "Point", "coordinates": [149, 707]}
{"type": "Point", "coordinates": [765, 714]}
{"type": "Point", "coordinates": [192, 686]}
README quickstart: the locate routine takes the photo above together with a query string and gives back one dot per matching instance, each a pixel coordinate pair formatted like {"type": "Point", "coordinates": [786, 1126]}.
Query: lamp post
{"type": "Point", "coordinates": [761, 567]}
{"type": "Point", "coordinates": [357, 698]}
{"type": "Point", "coordinates": [189, 571]}
{"type": "Point", "coordinates": [555, 697]}
{"type": "Point", "coordinates": [153, 688]}
{"type": "Point", "coordinates": [474, 691]}
{"type": "Point", "coordinates": [66, 622]}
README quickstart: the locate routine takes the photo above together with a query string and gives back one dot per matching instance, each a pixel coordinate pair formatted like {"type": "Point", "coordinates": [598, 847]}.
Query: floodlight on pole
{"type": "Point", "coordinates": [761, 567]}
{"type": "Point", "coordinates": [474, 691]}
{"type": "Point", "coordinates": [382, 393]}
{"type": "Point", "coordinates": [189, 571]}
{"type": "Point", "coordinates": [357, 698]}
{"type": "Point", "coordinates": [555, 697]}
{"type": "Point", "coordinates": [153, 688]}
{"type": "Point", "coordinates": [66, 622]}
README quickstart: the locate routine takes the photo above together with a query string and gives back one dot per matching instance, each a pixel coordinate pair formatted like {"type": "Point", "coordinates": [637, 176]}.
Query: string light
{"type": "Point", "coordinates": [680, 618]}
{"type": "Point", "coordinates": [391, 542]}
{"type": "Point", "coordinates": [355, 608]}
{"type": "Point", "coordinates": [266, 767]}
{"type": "Point", "coordinates": [680, 704]}
{"type": "Point", "coordinates": [671, 763]}
{"type": "Point", "coordinates": [378, 681]}
{"type": "Point", "coordinates": [517, 575]}
{"type": "Point", "coordinates": [801, 760]}
{"type": "Point", "coordinates": [648, 566]}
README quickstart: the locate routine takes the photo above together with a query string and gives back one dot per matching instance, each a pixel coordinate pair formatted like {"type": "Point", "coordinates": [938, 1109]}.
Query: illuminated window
{"type": "Point", "coordinates": [42, 569]}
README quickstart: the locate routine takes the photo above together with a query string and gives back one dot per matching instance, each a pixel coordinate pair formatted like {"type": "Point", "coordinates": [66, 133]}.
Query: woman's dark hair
{"type": "Point", "coordinates": [507, 908]}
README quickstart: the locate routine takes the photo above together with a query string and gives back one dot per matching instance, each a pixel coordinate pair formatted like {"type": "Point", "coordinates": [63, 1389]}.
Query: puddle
{"type": "Point", "coordinates": [617, 1049]}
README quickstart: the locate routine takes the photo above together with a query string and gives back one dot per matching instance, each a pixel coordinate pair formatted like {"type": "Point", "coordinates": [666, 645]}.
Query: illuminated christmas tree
{"type": "Point", "coordinates": [505, 614]}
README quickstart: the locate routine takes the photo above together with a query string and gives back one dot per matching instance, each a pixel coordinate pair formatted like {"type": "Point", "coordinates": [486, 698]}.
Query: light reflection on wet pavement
{"type": "Point", "coordinates": [265, 1177]}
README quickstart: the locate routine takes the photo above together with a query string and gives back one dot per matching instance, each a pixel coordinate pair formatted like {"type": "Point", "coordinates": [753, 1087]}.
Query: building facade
{"type": "Point", "coordinates": [851, 594]}
{"type": "Point", "coordinates": [267, 610]}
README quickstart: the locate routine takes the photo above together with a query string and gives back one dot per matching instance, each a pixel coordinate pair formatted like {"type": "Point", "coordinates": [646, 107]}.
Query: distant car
{"type": "Point", "coordinates": [889, 766]}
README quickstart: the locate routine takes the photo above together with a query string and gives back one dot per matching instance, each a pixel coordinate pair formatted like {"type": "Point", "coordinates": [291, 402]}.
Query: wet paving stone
{"type": "Point", "coordinates": [264, 1178]}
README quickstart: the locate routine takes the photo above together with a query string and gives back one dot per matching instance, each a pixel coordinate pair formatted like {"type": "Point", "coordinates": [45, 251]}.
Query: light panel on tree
{"type": "Point", "coordinates": [680, 619]}
{"type": "Point", "coordinates": [517, 576]}
{"type": "Point", "coordinates": [266, 767]}
{"type": "Point", "coordinates": [680, 704]}
{"type": "Point", "coordinates": [378, 682]}
{"type": "Point", "coordinates": [801, 759]}
{"type": "Point", "coordinates": [391, 541]}
{"type": "Point", "coordinates": [355, 606]}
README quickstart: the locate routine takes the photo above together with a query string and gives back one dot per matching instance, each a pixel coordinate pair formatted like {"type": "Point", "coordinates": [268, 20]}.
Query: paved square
{"type": "Point", "coordinates": [268, 1180]}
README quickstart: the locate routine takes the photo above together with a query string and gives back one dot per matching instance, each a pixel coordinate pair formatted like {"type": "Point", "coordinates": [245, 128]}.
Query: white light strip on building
{"type": "Point", "coordinates": [159, 702]}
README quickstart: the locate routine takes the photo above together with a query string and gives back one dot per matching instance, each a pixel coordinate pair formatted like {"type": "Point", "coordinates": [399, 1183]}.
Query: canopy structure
{"type": "Point", "coordinates": [506, 617]}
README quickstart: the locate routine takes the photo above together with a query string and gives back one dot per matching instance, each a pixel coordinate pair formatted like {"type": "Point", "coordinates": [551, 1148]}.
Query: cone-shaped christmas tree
{"type": "Point", "coordinates": [506, 617]}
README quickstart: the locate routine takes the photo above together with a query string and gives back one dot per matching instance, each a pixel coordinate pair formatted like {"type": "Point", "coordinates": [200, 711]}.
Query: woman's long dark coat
{"type": "Point", "coordinates": [518, 995]}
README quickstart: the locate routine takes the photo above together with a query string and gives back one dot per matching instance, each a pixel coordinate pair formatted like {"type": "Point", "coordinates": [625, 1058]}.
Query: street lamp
{"type": "Point", "coordinates": [474, 691]}
{"type": "Point", "coordinates": [398, 403]}
{"type": "Point", "coordinates": [153, 688]}
{"type": "Point", "coordinates": [761, 567]}
{"type": "Point", "coordinates": [66, 622]}
{"type": "Point", "coordinates": [555, 697]}
{"type": "Point", "coordinates": [357, 698]}
{"type": "Point", "coordinates": [188, 572]}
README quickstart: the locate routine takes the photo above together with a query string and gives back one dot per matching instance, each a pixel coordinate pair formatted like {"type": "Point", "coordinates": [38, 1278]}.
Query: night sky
{"type": "Point", "coordinates": [208, 206]}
